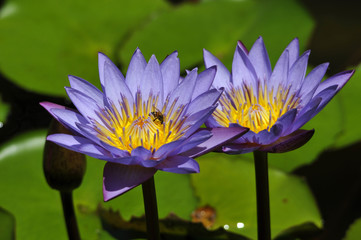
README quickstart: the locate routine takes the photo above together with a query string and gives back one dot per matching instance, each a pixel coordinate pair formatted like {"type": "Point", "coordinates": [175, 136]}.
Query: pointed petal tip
{"type": "Point", "coordinates": [326, 64]}
{"type": "Point", "coordinates": [233, 149]}
{"type": "Point", "coordinates": [105, 197]}
{"type": "Point", "coordinates": [347, 72]}
{"type": "Point", "coordinates": [68, 90]}
{"type": "Point", "coordinates": [206, 52]}
{"type": "Point", "coordinates": [102, 59]}
{"type": "Point", "coordinates": [307, 52]}
{"type": "Point", "coordinates": [259, 39]}
{"type": "Point", "coordinates": [351, 72]}
{"type": "Point", "coordinates": [72, 78]}
{"type": "Point", "coordinates": [109, 195]}
{"type": "Point", "coordinates": [153, 58]}
{"type": "Point", "coordinates": [45, 104]}
{"type": "Point", "coordinates": [242, 47]}
{"type": "Point", "coordinates": [49, 138]}
{"type": "Point", "coordinates": [243, 52]}
{"type": "Point", "coordinates": [49, 105]}
{"type": "Point", "coordinates": [175, 53]}
{"type": "Point", "coordinates": [101, 54]}
{"type": "Point", "coordinates": [295, 41]}
{"type": "Point", "coordinates": [137, 51]}
{"type": "Point", "coordinates": [193, 71]}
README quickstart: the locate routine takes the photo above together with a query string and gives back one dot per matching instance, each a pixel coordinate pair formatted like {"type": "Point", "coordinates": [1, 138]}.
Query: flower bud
{"type": "Point", "coordinates": [64, 169]}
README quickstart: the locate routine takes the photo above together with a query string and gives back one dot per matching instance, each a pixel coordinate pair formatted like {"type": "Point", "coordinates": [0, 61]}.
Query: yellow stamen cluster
{"type": "Point", "coordinates": [142, 125]}
{"type": "Point", "coordinates": [254, 110]}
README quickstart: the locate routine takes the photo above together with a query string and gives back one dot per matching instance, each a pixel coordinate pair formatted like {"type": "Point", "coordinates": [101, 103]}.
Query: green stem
{"type": "Point", "coordinates": [151, 210]}
{"type": "Point", "coordinates": [69, 215]}
{"type": "Point", "coordinates": [263, 209]}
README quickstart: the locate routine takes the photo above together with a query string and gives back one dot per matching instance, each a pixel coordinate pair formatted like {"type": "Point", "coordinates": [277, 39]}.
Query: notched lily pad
{"type": "Point", "coordinates": [349, 98]}
{"type": "Point", "coordinates": [7, 223]}
{"type": "Point", "coordinates": [4, 111]}
{"type": "Point", "coordinates": [171, 227]}
{"type": "Point", "coordinates": [307, 230]}
{"type": "Point", "coordinates": [227, 183]}
{"type": "Point", "coordinates": [354, 232]}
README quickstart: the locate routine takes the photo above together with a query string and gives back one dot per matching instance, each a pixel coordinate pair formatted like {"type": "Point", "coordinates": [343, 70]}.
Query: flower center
{"type": "Point", "coordinates": [128, 127]}
{"type": "Point", "coordinates": [258, 110]}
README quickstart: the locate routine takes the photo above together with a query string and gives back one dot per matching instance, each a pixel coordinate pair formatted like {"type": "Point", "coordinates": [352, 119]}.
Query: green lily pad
{"type": "Point", "coordinates": [7, 223]}
{"type": "Point", "coordinates": [217, 26]}
{"type": "Point", "coordinates": [41, 46]}
{"type": "Point", "coordinates": [354, 232]}
{"type": "Point", "coordinates": [278, 22]}
{"type": "Point", "coordinates": [37, 207]}
{"type": "Point", "coordinates": [214, 25]}
{"type": "Point", "coordinates": [25, 193]}
{"type": "Point", "coordinates": [228, 185]}
{"type": "Point", "coordinates": [174, 194]}
{"type": "Point", "coordinates": [304, 231]}
{"type": "Point", "coordinates": [171, 227]}
{"type": "Point", "coordinates": [4, 110]}
{"type": "Point", "coordinates": [349, 98]}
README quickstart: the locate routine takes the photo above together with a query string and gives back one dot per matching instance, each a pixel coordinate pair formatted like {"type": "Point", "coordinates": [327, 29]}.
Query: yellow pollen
{"type": "Point", "coordinates": [255, 110]}
{"type": "Point", "coordinates": [140, 122]}
{"type": "Point", "coordinates": [128, 127]}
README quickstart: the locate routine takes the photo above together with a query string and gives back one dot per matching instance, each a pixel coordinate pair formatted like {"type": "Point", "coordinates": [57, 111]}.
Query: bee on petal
{"type": "Point", "coordinates": [157, 117]}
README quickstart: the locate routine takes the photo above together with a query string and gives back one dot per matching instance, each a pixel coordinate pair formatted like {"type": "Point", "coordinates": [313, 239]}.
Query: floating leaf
{"type": "Point", "coordinates": [228, 185]}
{"type": "Point", "coordinates": [37, 207]}
{"type": "Point", "coordinates": [171, 227]}
{"type": "Point", "coordinates": [4, 110]}
{"type": "Point", "coordinates": [303, 231]}
{"type": "Point", "coordinates": [275, 22]}
{"type": "Point", "coordinates": [174, 193]}
{"type": "Point", "coordinates": [191, 27]}
{"type": "Point", "coordinates": [354, 232]}
{"type": "Point", "coordinates": [41, 46]}
{"type": "Point", "coordinates": [25, 193]}
{"type": "Point", "coordinates": [7, 223]}
{"type": "Point", "coordinates": [217, 26]}
{"type": "Point", "coordinates": [349, 98]}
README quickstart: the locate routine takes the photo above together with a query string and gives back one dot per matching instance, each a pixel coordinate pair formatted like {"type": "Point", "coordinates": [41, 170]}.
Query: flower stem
{"type": "Point", "coordinates": [69, 215]}
{"type": "Point", "coordinates": [151, 210]}
{"type": "Point", "coordinates": [263, 209]}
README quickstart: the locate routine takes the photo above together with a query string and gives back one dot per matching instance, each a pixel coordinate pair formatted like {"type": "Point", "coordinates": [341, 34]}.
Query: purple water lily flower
{"type": "Point", "coordinates": [274, 105]}
{"type": "Point", "coordinates": [141, 123]}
